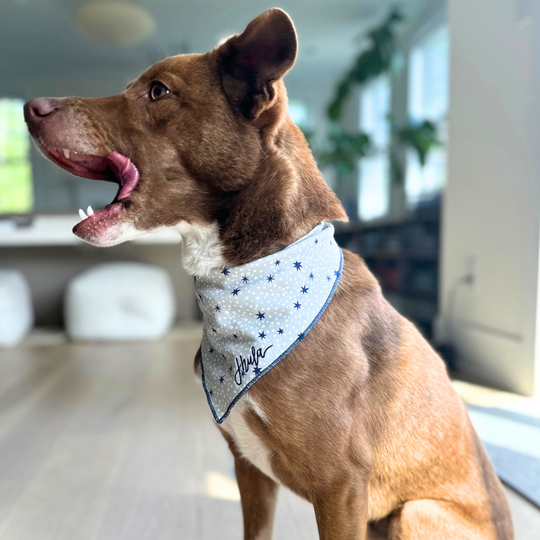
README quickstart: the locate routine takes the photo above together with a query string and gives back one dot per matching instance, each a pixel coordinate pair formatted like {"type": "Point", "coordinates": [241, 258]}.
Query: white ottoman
{"type": "Point", "coordinates": [119, 301]}
{"type": "Point", "coordinates": [16, 315]}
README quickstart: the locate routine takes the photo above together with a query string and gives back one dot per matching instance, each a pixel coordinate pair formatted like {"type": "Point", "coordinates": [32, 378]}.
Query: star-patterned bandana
{"type": "Point", "coordinates": [257, 313]}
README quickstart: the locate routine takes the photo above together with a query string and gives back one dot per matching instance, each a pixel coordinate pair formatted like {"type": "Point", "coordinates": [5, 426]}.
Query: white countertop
{"type": "Point", "coordinates": [55, 230]}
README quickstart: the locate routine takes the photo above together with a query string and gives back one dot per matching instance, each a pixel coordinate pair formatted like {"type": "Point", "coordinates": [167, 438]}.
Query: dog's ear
{"type": "Point", "coordinates": [253, 62]}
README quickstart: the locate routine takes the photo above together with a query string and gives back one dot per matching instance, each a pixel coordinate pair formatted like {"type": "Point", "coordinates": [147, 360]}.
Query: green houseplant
{"type": "Point", "coordinates": [341, 150]}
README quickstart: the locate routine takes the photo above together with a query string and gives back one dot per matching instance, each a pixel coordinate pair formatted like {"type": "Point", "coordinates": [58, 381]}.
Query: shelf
{"type": "Point", "coordinates": [55, 230]}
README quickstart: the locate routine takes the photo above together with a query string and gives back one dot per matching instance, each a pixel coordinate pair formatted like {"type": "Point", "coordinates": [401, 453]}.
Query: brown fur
{"type": "Point", "coordinates": [371, 429]}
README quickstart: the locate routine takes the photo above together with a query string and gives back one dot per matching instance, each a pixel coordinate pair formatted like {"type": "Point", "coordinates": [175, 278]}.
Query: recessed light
{"type": "Point", "coordinates": [115, 22]}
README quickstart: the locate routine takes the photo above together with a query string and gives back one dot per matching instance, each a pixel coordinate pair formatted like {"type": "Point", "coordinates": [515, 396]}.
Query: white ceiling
{"type": "Point", "coordinates": [38, 37]}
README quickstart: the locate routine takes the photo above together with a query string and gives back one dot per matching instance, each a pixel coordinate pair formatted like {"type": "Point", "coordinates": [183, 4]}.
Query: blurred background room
{"type": "Point", "coordinates": [424, 117]}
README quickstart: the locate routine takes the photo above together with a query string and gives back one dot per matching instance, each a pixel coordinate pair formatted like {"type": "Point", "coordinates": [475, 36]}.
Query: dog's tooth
{"type": "Point", "coordinates": [82, 214]}
{"type": "Point", "coordinates": [89, 211]}
{"type": "Point", "coordinates": [66, 152]}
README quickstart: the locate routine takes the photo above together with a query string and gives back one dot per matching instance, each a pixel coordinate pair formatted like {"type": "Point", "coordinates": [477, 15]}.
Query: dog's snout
{"type": "Point", "coordinates": [39, 108]}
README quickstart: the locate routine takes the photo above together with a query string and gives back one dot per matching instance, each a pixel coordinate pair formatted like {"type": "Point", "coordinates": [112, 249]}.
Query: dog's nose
{"type": "Point", "coordinates": [38, 109]}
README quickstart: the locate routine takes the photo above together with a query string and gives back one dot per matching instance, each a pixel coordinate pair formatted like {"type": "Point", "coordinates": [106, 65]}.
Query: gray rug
{"type": "Point", "coordinates": [512, 441]}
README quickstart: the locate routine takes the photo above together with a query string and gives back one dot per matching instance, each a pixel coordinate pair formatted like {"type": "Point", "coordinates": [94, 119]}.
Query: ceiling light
{"type": "Point", "coordinates": [115, 22]}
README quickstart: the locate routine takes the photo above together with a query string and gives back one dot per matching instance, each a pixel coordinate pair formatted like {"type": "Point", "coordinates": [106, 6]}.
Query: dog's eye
{"type": "Point", "coordinates": [158, 90]}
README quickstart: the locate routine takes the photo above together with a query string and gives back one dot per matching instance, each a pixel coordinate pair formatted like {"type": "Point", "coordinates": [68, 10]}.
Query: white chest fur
{"type": "Point", "coordinates": [247, 442]}
{"type": "Point", "coordinates": [201, 247]}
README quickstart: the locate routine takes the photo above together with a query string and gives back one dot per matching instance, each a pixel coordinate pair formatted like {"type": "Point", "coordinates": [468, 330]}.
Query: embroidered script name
{"type": "Point", "coordinates": [243, 364]}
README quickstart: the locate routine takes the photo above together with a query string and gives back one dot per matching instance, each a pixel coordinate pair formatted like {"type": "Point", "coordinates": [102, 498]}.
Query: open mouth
{"type": "Point", "coordinates": [113, 167]}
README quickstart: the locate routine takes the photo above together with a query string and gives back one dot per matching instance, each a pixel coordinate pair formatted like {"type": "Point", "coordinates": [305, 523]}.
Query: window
{"type": "Point", "coordinates": [428, 100]}
{"type": "Point", "coordinates": [374, 170]}
{"type": "Point", "coordinates": [16, 194]}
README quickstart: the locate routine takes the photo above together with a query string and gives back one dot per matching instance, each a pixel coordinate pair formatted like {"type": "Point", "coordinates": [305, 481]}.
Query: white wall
{"type": "Point", "coordinates": [491, 207]}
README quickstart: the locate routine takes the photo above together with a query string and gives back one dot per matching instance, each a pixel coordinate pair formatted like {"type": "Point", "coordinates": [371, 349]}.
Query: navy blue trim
{"type": "Point", "coordinates": [277, 360]}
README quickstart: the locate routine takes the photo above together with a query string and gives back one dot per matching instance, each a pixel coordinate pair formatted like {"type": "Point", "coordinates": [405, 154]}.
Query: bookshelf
{"type": "Point", "coordinates": [404, 256]}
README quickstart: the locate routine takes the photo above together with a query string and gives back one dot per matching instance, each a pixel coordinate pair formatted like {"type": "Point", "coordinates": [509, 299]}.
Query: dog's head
{"type": "Point", "coordinates": [199, 140]}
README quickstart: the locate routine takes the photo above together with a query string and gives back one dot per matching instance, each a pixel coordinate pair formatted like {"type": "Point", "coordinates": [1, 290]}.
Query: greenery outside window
{"type": "Point", "coordinates": [428, 100]}
{"type": "Point", "coordinates": [16, 190]}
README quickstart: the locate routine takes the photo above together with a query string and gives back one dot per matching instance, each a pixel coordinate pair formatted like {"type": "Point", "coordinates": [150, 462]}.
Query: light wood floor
{"type": "Point", "coordinates": [116, 442]}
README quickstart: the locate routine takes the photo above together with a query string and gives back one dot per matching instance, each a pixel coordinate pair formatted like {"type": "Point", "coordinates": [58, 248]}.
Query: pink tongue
{"type": "Point", "coordinates": [125, 171]}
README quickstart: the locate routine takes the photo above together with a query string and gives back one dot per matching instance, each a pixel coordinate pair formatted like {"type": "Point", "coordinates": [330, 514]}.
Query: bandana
{"type": "Point", "coordinates": [257, 313]}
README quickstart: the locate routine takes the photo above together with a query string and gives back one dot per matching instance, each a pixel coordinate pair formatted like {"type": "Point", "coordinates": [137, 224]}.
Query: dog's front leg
{"type": "Point", "coordinates": [258, 494]}
{"type": "Point", "coordinates": [341, 511]}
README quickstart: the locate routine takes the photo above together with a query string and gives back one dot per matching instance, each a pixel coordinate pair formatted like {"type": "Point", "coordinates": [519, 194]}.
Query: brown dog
{"type": "Point", "coordinates": [375, 432]}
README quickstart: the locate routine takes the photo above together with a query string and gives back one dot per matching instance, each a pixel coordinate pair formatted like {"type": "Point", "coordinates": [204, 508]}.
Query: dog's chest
{"type": "Point", "coordinates": [247, 442]}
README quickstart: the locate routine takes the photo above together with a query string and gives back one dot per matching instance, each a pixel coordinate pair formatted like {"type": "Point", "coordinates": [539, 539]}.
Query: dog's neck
{"type": "Point", "coordinates": [284, 200]}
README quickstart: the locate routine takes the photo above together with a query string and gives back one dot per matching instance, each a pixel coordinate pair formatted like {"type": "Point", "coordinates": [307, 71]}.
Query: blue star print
{"type": "Point", "coordinates": [276, 301]}
{"type": "Point", "coordinates": [336, 273]}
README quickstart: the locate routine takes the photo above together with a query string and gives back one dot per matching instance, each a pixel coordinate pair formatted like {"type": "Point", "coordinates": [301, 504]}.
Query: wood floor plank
{"type": "Point", "coordinates": [66, 498]}
{"type": "Point", "coordinates": [26, 446]}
